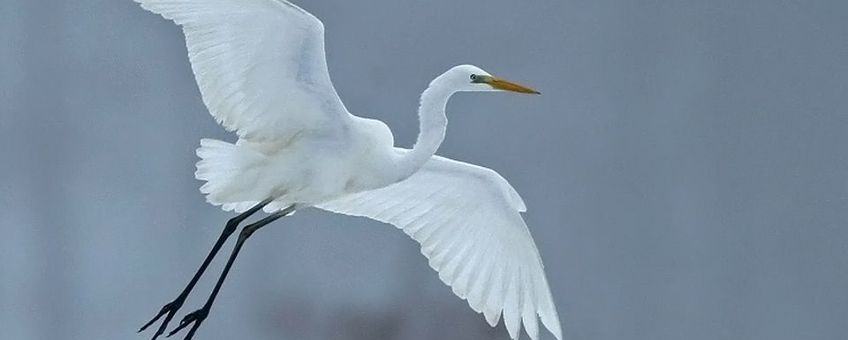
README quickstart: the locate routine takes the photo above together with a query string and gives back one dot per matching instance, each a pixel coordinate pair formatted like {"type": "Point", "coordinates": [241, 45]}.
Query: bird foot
{"type": "Point", "coordinates": [196, 318]}
{"type": "Point", "coordinates": [168, 310]}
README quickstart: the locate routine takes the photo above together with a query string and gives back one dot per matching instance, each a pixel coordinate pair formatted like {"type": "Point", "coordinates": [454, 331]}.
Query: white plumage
{"type": "Point", "coordinates": [260, 65]}
{"type": "Point", "coordinates": [261, 69]}
{"type": "Point", "coordinates": [467, 220]}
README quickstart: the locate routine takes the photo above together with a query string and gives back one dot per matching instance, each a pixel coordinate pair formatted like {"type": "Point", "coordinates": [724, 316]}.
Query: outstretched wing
{"type": "Point", "coordinates": [467, 220]}
{"type": "Point", "coordinates": [260, 65]}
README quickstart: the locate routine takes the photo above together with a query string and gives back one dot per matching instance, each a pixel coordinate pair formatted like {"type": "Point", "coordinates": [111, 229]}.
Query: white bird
{"type": "Point", "coordinates": [262, 72]}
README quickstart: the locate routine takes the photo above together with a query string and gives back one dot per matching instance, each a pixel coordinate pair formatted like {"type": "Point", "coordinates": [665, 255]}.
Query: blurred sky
{"type": "Point", "coordinates": [685, 171]}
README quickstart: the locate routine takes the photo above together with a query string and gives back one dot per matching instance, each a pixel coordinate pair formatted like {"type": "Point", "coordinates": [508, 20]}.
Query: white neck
{"type": "Point", "coordinates": [433, 124]}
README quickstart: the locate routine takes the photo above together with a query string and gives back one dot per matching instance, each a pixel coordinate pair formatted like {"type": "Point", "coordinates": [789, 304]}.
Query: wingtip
{"type": "Point", "coordinates": [493, 318]}
{"type": "Point", "coordinates": [553, 326]}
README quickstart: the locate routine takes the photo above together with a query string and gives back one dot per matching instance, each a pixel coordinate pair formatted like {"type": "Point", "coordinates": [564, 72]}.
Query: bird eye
{"type": "Point", "coordinates": [473, 76]}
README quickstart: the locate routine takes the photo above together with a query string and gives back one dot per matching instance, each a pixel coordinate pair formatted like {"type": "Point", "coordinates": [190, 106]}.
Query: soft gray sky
{"type": "Point", "coordinates": [685, 171]}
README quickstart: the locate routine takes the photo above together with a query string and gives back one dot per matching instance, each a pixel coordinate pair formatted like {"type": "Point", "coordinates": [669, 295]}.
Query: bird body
{"type": "Point", "coordinates": [316, 166]}
{"type": "Point", "coordinates": [307, 170]}
{"type": "Point", "coordinates": [262, 72]}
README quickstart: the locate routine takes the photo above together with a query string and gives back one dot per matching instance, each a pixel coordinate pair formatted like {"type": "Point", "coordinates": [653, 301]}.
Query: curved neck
{"type": "Point", "coordinates": [433, 124]}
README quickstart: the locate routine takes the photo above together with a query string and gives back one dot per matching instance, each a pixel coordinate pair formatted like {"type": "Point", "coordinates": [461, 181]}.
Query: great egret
{"type": "Point", "coordinates": [262, 72]}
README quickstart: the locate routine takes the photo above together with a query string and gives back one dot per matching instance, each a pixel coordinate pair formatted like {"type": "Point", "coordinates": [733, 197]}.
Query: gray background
{"type": "Point", "coordinates": [685, 171]}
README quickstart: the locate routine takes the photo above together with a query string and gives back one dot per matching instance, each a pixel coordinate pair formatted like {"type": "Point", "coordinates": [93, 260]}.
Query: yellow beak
{"type": "Point", "coordinates": [505, 85]}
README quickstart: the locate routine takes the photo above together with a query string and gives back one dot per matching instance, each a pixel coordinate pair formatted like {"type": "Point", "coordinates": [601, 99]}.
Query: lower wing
{"type": "Point", "coordinates": [468, 222]}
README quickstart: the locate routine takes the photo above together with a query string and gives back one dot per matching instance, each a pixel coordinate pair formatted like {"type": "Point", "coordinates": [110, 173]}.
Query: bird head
{"type": "Point", "coordinates": [470, 78]}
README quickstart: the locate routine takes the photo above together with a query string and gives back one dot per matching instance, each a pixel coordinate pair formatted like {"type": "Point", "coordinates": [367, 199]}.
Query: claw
{"type": "Point", "coordinates": [170, 309]}
{"type": "Point", "coordinates": [196, 318]}
{"type": "Point", "coordinates": [161, 312]}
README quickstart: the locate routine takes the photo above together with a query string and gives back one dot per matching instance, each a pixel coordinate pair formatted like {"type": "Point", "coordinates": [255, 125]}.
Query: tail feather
{"type": "Point", "coordinates": [231, 173]}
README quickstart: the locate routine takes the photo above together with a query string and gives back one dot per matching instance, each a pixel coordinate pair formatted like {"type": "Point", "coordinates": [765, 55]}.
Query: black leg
{"type": "Point", "coordinates": [199, 315]}
{"type": "Point", "coordinates": [172, 307]}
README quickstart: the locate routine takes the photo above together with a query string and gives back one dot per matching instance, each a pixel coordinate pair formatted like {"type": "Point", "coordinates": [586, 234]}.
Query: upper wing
{"type": "Point", "coordinates": [467, 220]}
{"type": "Point", "coordinates": [260, 65]}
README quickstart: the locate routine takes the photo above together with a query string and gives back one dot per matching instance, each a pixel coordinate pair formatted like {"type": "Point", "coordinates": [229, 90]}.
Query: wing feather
{"type": "Point", "coordinates": [260, 65]}
{"type": "Point", "coordinates": [468, 222]}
